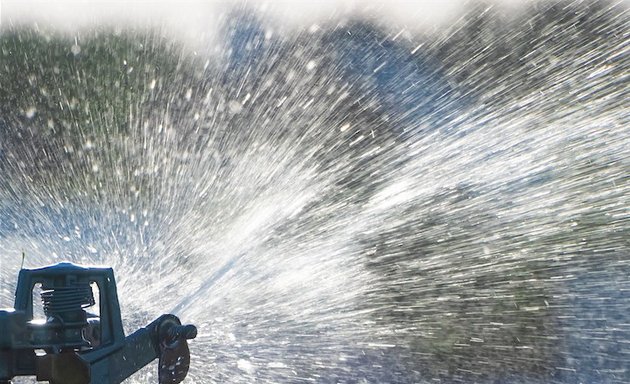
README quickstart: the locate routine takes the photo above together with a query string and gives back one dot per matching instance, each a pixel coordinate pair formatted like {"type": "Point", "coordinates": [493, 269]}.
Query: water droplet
{"type": "Point", "coordinates": [245, 366]}
{"type": "Point", "coordinates": [235, 107]}
{"type": "Point", "coordinates": [30, 113]}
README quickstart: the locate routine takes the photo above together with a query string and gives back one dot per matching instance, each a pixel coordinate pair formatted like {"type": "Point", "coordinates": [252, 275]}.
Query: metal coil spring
{"type": "Point", "coordinates": [67, 299]}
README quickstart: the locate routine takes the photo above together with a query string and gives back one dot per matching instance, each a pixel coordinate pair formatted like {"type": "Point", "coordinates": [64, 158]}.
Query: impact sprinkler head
{"type": "Point", "coordinates": [73, 346]}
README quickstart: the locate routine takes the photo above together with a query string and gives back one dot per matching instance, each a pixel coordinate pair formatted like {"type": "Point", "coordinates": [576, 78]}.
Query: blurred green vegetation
{"type": "Point", "coordinates": [75, 86]}
{"type": "Point", "coordinates": [68, 103]}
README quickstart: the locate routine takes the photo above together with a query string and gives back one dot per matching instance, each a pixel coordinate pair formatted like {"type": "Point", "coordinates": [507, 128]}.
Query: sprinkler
{"type": "Point", "coordinates": [80, 339]}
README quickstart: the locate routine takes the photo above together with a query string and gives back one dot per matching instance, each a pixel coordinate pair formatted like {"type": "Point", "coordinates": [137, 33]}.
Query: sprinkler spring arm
{"type": "Point", "coordinates": [164, 338]}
